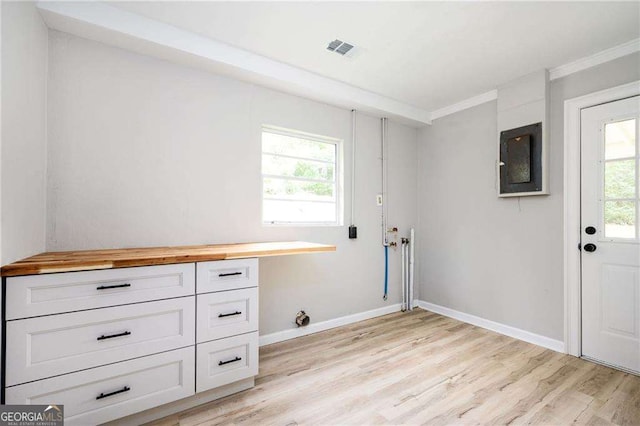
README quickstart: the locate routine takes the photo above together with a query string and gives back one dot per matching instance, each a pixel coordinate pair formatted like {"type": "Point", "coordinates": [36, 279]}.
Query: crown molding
{"type": "Point", "coordinates": [596, 59]}
{"type": "Point", "coordinates": [116, 27]}
{"type": "Point", "coordinates": [581, 64]}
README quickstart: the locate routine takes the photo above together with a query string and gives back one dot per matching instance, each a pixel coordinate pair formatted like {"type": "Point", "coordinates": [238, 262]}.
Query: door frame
{"type": "Point", "coordinates": [572, 231]}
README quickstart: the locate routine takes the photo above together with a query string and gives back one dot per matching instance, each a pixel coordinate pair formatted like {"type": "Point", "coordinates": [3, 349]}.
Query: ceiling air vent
{"type": "Point", "coordinates": [339, 47]}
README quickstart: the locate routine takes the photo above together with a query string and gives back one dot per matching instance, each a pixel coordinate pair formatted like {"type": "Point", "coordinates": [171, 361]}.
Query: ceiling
{"type": "Point", "coordinates": [427, 54]}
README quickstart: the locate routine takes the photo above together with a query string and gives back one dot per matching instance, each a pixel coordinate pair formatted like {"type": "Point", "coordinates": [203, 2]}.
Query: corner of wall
{"type": "Point", "coordinates": [45, 182]}
{"type": "Point", "coordinates": [1, 53]}
{"type": "Point", "coordinates": [24, 131]}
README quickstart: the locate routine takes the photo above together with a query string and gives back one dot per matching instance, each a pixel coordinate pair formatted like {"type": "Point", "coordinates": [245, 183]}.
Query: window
{"type": "Point", "coordinates": [300, 178]}
{"type": "Point", "coordinates": [621, 195]}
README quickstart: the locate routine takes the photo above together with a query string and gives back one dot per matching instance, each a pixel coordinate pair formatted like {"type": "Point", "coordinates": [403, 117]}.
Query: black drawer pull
{"type": "Point", "coordinates": [111, 336]}
{"type": "Point", "coordinates": [230, 274]}
{"type": "Point", "coordinates": [236, 359]}
{"type": "Point", "coordinates": [229, 315]}
{"type": "Point", "coordinates": [107, 287]}
{"type": "Point", "coordinates": [104, 395]}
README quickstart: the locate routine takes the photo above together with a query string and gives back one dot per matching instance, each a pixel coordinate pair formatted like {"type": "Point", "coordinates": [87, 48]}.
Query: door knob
{"type": "Point", "coordinates": [590, 230]}
{"type": "Point", "coordinates": [590, 247]}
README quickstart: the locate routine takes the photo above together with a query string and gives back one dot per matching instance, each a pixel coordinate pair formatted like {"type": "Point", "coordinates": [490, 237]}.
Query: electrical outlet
{"type": "Point", "coordinates": [379, 199]}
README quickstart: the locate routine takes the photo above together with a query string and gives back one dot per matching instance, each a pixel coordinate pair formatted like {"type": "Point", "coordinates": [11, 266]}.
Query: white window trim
{"type": "Point", "coordinates": [339, 178]}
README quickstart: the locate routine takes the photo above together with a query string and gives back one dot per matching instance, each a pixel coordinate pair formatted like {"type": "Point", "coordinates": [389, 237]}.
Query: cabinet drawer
{"type": "Point", "coordinates": [35, 295]}
{"type": "Point", "coordinates": [225, 361]}
{"type": "Point", "coordinates": [227, 313]}
{"type": "Point", "coordinates": [113, 391]}
{"type": "Point", "coordinates": [227, 275]}
{"type": "Point", "coordinates": [42, 347]}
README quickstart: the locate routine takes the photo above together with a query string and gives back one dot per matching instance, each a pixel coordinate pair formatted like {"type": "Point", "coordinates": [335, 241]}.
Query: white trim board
{"type": "Point", "coordinates": [466, 104]}
{"type": "Point", "coordinates": [107, 24]}
{"type": "Point", "coordinates": [507, 330]}
{"type": "Point", "coordinates": [292, 333]}
{"type": "Point", "coordinates": [572, 269]}
{"type": "Point", "coordinates": [606, 55]}
{"type": "Point", "coordinates": [564, 70]}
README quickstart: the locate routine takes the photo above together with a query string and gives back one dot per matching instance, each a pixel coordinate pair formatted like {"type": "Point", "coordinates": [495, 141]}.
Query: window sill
{"type": "Point", "coordinates": [301, 225]}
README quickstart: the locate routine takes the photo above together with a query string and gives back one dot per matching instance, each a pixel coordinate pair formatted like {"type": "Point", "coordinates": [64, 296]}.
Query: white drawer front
{"type": "Point", "coordinates": [227, 313]}
{"type": "Point", "coordinates": [35, 295]}
{"type": "Point", "coordinates": [226, 361]}
{"type": "Point", "coordinates": [42, 347]}
{"type": "Point", "coordinates": [151, 381]}
{"type": "Point", "coordinates": [227, 275]}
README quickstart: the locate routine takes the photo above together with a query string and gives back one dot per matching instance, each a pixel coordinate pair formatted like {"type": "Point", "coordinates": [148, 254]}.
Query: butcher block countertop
{"type": "Point", "coordinates": [69, 261]}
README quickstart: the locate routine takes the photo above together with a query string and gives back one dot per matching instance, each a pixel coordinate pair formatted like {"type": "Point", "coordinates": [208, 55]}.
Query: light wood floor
{"type": "Point", "coordinates": [420, 367]}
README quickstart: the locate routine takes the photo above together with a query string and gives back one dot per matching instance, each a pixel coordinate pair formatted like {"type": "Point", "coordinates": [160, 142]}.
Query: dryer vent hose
{"type": "Point", "coordinates": [302, 319]}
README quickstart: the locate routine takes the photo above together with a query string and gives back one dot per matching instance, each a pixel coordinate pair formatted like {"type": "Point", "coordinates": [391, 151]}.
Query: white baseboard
{"type": "Point", "coordinates": [280, 336]}
{"type": "Point", "coordinates": [507, 330]}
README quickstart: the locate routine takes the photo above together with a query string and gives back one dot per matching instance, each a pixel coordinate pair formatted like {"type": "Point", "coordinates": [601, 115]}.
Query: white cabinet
{"type": "Point", "coordinates": [225, 361]}
{"type": "Point", "coordinates": [115, 342]}
{"type": "Point", "coordinates": [227, 275]}
{"type": "Point", "coordinates": [34, 295]}
{"type": "Point", "coordinates": [113, 391]}
{"type": "Point", "coordinates": [47, 346]}
{"type": "Point", "coordinates": [227, 313]}
{"type": "Point", "coordinates": [227, 339]}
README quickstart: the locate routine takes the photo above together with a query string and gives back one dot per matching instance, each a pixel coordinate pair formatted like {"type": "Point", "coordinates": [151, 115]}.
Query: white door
{"type": "Point", "coordinates": [610, 233]}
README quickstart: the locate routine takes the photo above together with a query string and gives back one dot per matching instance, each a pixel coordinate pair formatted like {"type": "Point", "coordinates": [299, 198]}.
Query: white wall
{"type": "Point", "coordinates": [143, 152]}
{"type": "Point", "coordinates": [23, 152]}
{"type": "Point", "coordinates": [499, 259]}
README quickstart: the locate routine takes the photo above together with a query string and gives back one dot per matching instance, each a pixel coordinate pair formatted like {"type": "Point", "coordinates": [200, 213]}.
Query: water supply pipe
{"type": "Point", "coordinates": [385, 242]}
{"type": "Point", "coordinates": [383, 156]}
{"type": "Point", "coordinates": [412, 245]}
{"type": "Point", "coordinates": [404, 273]}
{"type": "Point", "coordinates": [353, 165]}
{"type": "Point", "coordinates": [408, 252]}
{"type": "Point", "coordinates": [386, 272]}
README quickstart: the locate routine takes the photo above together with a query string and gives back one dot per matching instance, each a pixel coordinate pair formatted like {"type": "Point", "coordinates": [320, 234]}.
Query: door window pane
{"type": "Point", "coordinates": [620, 139]}
{"type": "Point", "coordinates": [620, 179]}
{"type": "Point", "coordinates": [620, 219]}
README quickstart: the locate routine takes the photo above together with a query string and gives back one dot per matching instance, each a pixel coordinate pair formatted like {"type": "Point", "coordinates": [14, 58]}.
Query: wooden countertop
{"type": "Point", "coordinates": [68, 261]}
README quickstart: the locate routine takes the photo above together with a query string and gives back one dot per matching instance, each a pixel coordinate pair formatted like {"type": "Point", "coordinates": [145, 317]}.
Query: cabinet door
{"type": "Point", "coordinates": [227, 275]}
{"type": "Point", "coordinates": [36, 295]}
{"type": "Point", "coordinates": [225, 361]}
{"type": "Point", "coordinates": [107, 393]}
{"type": "Point", "coordinates": [42, 347]}
{"type": "Point", "coordinates": [227, 313]}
